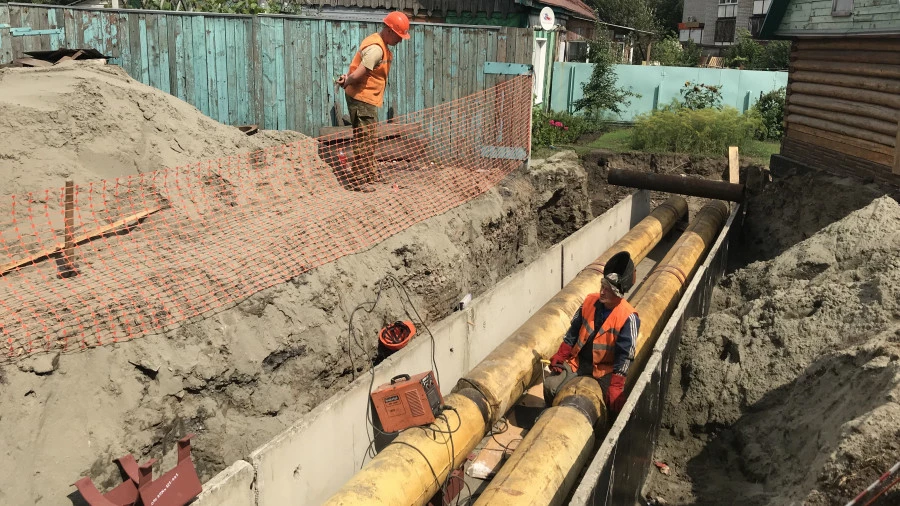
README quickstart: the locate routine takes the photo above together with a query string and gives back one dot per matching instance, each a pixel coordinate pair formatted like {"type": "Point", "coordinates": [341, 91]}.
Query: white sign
{"type": "Point", "coordinates": [548, 19]}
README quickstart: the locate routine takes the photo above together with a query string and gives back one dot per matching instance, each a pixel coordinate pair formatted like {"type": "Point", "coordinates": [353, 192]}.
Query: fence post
{"type": "Point", "coordinates": [66, 268]}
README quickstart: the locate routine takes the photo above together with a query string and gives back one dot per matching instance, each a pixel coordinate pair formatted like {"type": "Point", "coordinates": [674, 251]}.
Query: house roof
{"type": "Point", "coordinates": [773, 19]}
{"type": "Point", "coordinates": [776, 13]}
{"type": "Point", "coordinates": [577, 7]}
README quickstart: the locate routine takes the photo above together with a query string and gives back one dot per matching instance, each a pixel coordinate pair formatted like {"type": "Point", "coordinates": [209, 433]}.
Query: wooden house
{"type": "Point", "coordinates": [842, 113]}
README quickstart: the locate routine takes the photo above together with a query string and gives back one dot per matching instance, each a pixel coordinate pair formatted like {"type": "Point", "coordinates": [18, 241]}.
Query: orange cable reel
{"type": "Point", "coordinates": [396, 335]}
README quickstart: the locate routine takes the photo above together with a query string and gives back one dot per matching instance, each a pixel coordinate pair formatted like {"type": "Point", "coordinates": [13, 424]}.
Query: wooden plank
{"type": "Point", "coordinates": [290, 57]}
{"type": "Point", "coordinates": [734, 165]}
{"type": "Point", "coordinates": [845, 106]}
{"type": "Point", "coordinates": [320, 82]}
{"type": "Point", "coordinates": [179, 84]}
{"type": "Point", "coordinates": [859, 133]}
{"type": "Point", "coordinates": [153, 49]}
{"type": "Point", "coordinates": [221, 95]}
{"type": "Point", "coordinates": [256, 93]}
{"type": "Point", "coordinates": [187, 61]}
{"type": "Point", "coordinates": [39, 21]}
{"type": "Point", "coordinates": [428, 63]}
{"type": "Point", "coordinates": [844, 118]}
{"type": "Point", "coordinates": [199, 56]}
{"type": "Point", "coordinates": [842, 143]}
{"type": "Point", "coordinates": [865, 96]}
{"type": "Point", "coordinates": [847, 81]}
{"type": "Point", "coordinates": [887, 58]}
{"type": "Point", "coordinates": [862, 45]}
{"type": "Point", "coordinates": [302, 76]}
{"type": "Point", "coordinates": [173, 35]}
{"type": "Point", "coordinates": [243, 63]}
{"type": "Point", "coordinates": [120, 44]}
{"type": "Point", "coordinates": [498, 446]}
{"type": "Point", "coordinates": [5, 36]}
{"type": "Point", "coordinates": [268, 73]}
{"type": "Point", "coordinates": [850, 68]}
{"type": "Point", "coordinates": [418, 45]}
{"type": "Point", "coordinates": [385, 131]}
{"type": "Point", "coordinates": [78, 239]}
{"type": "Point", "coordinates": [15, 19]}
{"type": "Point", "coordinates": [280, 92]}
{"type": "Point", "coordinates": [144, 49]}
{"type": "Point", "coordinates": [212, 77]}
{"type": "Point", "coordinates": [162, 45]}
{"type": "Point", "coordinates": [73, 31]}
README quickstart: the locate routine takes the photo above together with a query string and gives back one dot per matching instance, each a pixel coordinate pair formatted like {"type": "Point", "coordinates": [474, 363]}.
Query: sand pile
{"type": "Point", "coordinates": [88, 122]}
{"type": "Point", "coordinates": [789, 390]}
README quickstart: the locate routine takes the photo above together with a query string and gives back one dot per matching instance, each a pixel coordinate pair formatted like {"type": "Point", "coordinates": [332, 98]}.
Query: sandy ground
{"type": "Point", "coordinates": [241, 372]}
{"type": "Point", "coordinates": [788, 392]}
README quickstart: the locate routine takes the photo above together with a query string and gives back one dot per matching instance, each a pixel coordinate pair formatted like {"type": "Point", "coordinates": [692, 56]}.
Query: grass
{"type": "Point", "coordinates": [619, 140]}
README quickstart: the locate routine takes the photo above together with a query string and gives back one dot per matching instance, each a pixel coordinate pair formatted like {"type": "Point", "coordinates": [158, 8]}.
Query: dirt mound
{"type": "Point", "coordinates": [88, 122]}
{"type": "Point", "coordinates": [239, 376]}
{"type": "Point", "coordinates": [789, 390]}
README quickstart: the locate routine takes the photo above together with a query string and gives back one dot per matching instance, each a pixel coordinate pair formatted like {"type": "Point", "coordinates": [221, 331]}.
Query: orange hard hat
{"type": "Point", "coordinates": [399, 23]}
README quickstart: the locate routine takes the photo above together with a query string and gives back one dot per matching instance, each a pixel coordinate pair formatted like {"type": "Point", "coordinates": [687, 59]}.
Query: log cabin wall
{"type": "Point", "coordinates": [843, 106]}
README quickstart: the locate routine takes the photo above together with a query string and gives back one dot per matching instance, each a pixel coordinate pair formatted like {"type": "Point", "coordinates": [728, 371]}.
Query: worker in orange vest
{"type": "Point", "coordinates": [364, 86]}
{"type": "Point", "coordinates": [602, 338]}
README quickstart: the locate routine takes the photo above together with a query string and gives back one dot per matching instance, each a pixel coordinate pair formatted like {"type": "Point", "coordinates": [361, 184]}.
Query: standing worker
{"type": "Point", "coordinates": [601, 340]}
{"type": "Point", "coordinates": [364, 86]}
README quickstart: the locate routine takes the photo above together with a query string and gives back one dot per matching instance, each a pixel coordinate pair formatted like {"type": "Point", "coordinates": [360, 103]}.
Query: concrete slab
{"type": "Point", "coordinates": [231, 487]}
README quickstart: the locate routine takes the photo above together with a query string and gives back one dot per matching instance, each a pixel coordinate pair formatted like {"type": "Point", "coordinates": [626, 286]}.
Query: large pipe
{"type": "Point", "coordinates": [681, 185]}
{"type": "Point", "coordinates": [543, 468]}
{"type": "Point", "coordinates": [411, 470]}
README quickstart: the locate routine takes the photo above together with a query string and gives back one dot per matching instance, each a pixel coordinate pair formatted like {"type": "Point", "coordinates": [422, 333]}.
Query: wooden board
{"type": "Point", "coordinates": [384, 131]}
{"type": "Point", "coordinates": [734, 165]}
{"type": "Point", "coordinates": [78, 239]}
{"type": "Point", "coordinates": [897, 151]}
{"type": "Point", "coordinates": [495, 451]}
{"type": "Point", "coordinates": [837, 142]}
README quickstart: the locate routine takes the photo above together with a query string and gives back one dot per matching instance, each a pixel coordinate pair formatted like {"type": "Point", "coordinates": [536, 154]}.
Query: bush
{"type": "Point", "coordinates": [749, 53]}
{"type": "Point", "coordinates": [600, 92]}
{"type": "Point", "coordinates": [696, 131]}
{"type": "Point", "coordinates": [552, 128]}
{"type": "Point", "coordinates": [701, 96]}
{"type": "Point", "coordinates": [670, 52]}
{"type": "Point", "coordinates": [770, 108]}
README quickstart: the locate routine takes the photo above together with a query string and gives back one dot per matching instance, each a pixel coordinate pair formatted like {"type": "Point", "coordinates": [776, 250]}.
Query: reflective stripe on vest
{"type": "Point", "coordinates": [603, 347]}
{"type": "Point", "coordinates": [371, 89]}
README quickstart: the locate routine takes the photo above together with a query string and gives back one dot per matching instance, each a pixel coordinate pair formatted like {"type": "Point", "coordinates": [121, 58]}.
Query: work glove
{"type": "Point", "coordinates": [562, 354]}
{"type": "Point", "coordinates": [616, 392]}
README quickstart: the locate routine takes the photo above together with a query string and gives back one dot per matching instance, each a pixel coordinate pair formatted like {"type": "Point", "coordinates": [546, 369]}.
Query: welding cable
{"type": "Point", "coordinates": [400, 286]}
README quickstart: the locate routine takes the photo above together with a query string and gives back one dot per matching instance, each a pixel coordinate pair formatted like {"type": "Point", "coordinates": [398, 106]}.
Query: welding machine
{"type": "Point", "coordinates": [407, 401]}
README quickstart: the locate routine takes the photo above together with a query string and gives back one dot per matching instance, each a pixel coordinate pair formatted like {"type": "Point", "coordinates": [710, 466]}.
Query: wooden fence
{"type": "Point", "coordinates": [275, 71]}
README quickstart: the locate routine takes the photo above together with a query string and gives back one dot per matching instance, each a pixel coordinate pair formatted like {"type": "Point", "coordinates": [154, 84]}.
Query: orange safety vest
{"type": "Point", "coordinates": [371, 90]}
{"type": "Point", "coordinates": [604, 345]}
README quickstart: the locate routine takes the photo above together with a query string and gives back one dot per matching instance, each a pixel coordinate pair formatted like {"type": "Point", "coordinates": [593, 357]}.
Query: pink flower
{"type": "Point", "coordinates": [565, 128]}
{"type": "Point", "coordinates": [552, 123]}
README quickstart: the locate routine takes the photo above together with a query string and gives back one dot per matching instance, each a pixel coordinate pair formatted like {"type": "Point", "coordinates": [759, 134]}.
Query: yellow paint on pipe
{"type": "Point", "coordinates": [511, 368]}
{"type": "Point", "coordinates": [411, 469]}
{"type": "Point", "coordinates": [561, 436]}
{"type": "Point", "coordinates": [400, 476]}
{"type": "Point", "coordinates": [541, 469]}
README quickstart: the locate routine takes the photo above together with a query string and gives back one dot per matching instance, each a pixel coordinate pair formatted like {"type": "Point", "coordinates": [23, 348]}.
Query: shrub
{"type": "Point", "coordinates": [770, 108]}
{"type": "Point", "coordinates": [600, 92]}
{"type": "Point", "coordinates": [551, 128]}
{"type": "Point", "coordinates": [701, 96]}
{"type": "Point", "coordinates": [670, 52]}
{"type": "Point", "coordinates": [704, 131]}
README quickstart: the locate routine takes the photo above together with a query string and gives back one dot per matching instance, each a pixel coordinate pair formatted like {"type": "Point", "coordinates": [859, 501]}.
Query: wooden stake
{"type": "Point", "coordinates": [68, 263]}
{"type": "Point", "coordinates": [734, 165]}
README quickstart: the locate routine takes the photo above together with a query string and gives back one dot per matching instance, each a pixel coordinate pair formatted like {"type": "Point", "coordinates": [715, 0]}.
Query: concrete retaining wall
{"type": "Point", "coordinates": [314, 457]}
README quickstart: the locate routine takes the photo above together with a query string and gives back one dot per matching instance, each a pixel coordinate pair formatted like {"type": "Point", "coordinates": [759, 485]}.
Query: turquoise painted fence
{"type": "Point", "coordinates": [275, 71]}
{"type": "Point", "coordinates": [658, 86]}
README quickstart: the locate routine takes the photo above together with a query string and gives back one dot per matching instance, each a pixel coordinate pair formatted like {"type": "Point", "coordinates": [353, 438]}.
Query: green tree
{"type": "Point", "coordinates": [600, 92]}
{"type": "Point", "coordinates": [670, 52]}
{"type": "Point", "coordinates": [745, 52]}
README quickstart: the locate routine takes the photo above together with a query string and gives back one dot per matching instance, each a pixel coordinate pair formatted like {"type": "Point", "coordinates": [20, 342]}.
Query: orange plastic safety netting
{"type": "Point", "coordinates": [152, 250]}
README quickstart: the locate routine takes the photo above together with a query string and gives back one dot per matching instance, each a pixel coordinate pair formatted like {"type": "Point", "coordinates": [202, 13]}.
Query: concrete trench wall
{"type": "Point", "coordinates": [617, 473]}
{"type": "Point", "coordinates": [315, 456]}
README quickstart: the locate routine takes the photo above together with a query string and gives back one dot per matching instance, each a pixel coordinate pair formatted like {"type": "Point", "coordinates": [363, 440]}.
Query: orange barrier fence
{"type": "Point", "coordinates": [141, 254]}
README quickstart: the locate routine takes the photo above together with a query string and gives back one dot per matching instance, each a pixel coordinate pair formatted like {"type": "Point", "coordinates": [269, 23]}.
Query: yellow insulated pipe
{"type": "Point", "coordinates": [412, 469]}
{"type": "Point", "coordinates": [513, 366]}
{"type": "Point", "coordinates": [546, 462]}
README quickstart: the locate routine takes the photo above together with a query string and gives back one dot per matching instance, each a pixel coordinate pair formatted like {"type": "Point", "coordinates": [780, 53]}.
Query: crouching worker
{"type": "Point", "coordinates": [602, 338]}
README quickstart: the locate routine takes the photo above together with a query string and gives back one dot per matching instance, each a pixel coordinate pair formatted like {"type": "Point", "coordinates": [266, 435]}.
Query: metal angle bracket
{"type": "Point", "coordinates": [510, 69]}
{"type": "Point", "coordinates": [24, 31]}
